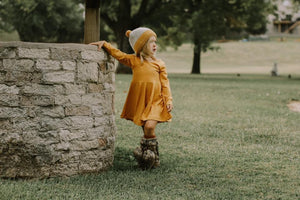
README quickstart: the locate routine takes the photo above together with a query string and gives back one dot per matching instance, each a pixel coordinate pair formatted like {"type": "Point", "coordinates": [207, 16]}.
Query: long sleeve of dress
{"type": "Point", "coordinates": [125, 59]}
{"type": "Point", "coordinates": [165, 85]}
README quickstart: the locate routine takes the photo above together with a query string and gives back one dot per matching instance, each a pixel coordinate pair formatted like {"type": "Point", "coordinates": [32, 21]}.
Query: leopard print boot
{"type": "Point", "coordinates": [147, 154]}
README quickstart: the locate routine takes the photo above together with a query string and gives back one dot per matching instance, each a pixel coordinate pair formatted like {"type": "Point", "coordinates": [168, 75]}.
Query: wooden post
{"type": "Point", "coordinates": [92, 21]}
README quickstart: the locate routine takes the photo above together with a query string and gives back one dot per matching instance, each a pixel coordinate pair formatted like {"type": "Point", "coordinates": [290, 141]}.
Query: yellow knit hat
{"type": "Point", "coordinates": [138, 38]}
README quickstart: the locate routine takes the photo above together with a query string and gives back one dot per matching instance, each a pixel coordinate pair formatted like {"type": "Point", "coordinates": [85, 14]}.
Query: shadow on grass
{"type": "Point", "coordinates": [124, 160]}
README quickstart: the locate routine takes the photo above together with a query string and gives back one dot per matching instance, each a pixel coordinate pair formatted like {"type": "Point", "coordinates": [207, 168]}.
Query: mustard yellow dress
{"type": "Point", "coordinates": [149, 91]}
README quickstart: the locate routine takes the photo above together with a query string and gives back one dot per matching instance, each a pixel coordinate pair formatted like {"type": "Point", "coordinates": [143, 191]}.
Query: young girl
{"type": "Point", "coordinates": [149, 99]}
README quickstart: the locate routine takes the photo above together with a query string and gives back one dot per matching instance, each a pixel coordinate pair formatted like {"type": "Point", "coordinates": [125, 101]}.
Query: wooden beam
{"type": "Point", "coordinates": [282, 22]}
{"type": "Point", "coordinates": [292, 27]}
{"type": "Point", "coordinates": [92, 21]}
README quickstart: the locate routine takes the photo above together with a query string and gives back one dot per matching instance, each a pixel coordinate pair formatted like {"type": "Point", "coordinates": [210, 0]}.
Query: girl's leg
{"type": "Point", "coordinates": [147, 154]}
{"type": "Point", "coordinates": [149, 129]}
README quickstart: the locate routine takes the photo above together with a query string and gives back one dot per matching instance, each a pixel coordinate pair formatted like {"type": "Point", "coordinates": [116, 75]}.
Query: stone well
{"type": "Point", "coordinates": [56, 109]}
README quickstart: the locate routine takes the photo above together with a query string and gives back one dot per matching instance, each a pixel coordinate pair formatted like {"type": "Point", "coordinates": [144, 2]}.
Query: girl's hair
{"type": "Point", "coordinates": [142, 55]}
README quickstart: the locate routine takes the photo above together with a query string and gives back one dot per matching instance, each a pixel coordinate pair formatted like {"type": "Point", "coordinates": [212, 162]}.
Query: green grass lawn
{"type": "Point", "coordinates": [238, 57]}
{"type": "Point", "coordinates": [231, 138]}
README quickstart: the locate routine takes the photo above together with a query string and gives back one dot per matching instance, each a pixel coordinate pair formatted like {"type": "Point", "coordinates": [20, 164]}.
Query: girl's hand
{"type": "Point", "coordinates": [169, 107]}
{"type": "Point", "coordinates": [99, 44]}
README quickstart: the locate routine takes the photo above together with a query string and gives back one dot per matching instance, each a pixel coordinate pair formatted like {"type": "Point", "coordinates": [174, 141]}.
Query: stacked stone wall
{"type": "Point", "coordinates": [56, 109]}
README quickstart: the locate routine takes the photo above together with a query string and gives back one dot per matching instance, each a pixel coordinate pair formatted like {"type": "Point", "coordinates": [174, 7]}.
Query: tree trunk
{"type": "Point", "coordinates": [92, 21]}
{"type": "Point", "coordinates": [126, 24]}
{"type": "Point", "coordinates": [124, 46]}
{"type": "Point", "coordinates": [197, 58]}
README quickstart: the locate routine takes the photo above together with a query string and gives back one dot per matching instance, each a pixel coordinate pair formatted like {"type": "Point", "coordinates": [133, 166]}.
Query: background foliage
{"type": "Point", "coordinates": [175, 21]}
{"type": "Point", "coordinates": [43, 21]}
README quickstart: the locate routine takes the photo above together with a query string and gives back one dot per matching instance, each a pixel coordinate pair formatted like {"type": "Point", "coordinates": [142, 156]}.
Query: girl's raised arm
{"type": "Point", "coordinates": [99, 44]}
{"type": "Point", "coordinates": [124, 58]}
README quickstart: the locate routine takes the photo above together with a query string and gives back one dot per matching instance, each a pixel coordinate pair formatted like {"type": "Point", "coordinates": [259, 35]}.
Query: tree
{"type": "Point", "coordinates": [209, 20]}
{"type": "Point", "coordinates": [205, 21]}
{"type": "Point", "coordinates": [121, 15]}
{"type": "Point", "coordinates": [43, 21]}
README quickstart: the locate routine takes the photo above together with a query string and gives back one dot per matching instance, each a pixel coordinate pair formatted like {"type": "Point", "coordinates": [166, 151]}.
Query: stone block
{"type": "Point", "coordinates": [54, 112]}
{"type": "Point", "coordinates": [64, 54]}
{"type": "Point", "coordinates": [97, 111]}
{"type": "Point", "coordinates": [69, 65]}
{"type": "Point", "coordinates": [42, 100]}
{"type": "Point", "coordinates": [49, 124]}
{"type": "Point", "coordinates": [93, 55]}
{"type": "Point", "coordinates": [111, 66]}
{"type": "Point", "coordinates": [67, 168]}
{"type": "Point", "coordinates": [36, 77]}
{"type": "Point", "coordinates": [47, 65]}
{"type": "Point", "coordinates": [109, 87]}
{"type": "Point", "coordinates": [7, 52]}
{"type": "Point", "coordinates": [101, 121]}
{"type": "Point", "coordinates": [87, 72]}
{"type": "Point", "coordinates": [2, 76]}
{"type": "Point", "coordinates": [92, 99]}
{"type": "Point", "coordinates": [79, 122]}
{"type": "Point", "coordinates": [71, 99]}
{"type": "Point", "coordinates": [32, 110]}
{"type": "Point", "coordinates": [6, 125]}
{"type": "Point", "coordinates": [49, 134]}
{"type": "Point", "coordinates": [108, 103]}
{"type": "Point", "coordinates": [59, 77]}
{"type": "Point", "coordinates": [33, 53]}
{"type": "Point", "coordinates": [25, 124]}
{"type": "Point", "coordinates": [7, 112]}
{"type": "Point", "coordinates": [84, 145]}
{"type": "Point", "coordinates": [75, 88]}
{"type": "Point", "coordinates": [107, 67]}
{"type": "Point", "coordinates": [26, 101]}
{"type": "Point", "coordinates": [63, 146]}
{"type": "Point", "coordinates": [38, 89]}
{"type": "Point", "coordinates": [42, 140]}
{"type": "Point", "coordinates": [10, 100]}
{"type": "Point", "coordinates": [37, 100]}
{"type": "Point", "coordinates": [95, 88]}
{"type": "Point", "coordinates": [110, 77]}
{"type": "Point", "coordinates": [109, 131]}
{"type": "Point", "coordinates": [25, 65]}
{"type": "Point", "coordinates": [96, 132]}
{"type": "Point", "coordinates": [5, 89]}
{"type": "Point", "coordinates": [18, 77]}
{"type": "Point", "coordinates": [77, 110]}
{"type": "Point", "coordinates": [66, 135]}
{"type": "Point", "coordinates": [111, 141]}
{"type": "Point", "coordinates": [70, 156]}
{"type": "Point", "coordinates": [93, 166]}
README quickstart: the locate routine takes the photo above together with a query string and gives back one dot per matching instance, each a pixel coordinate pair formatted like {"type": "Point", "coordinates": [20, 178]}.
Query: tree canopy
{"type": "Point", "coordinates": [174, 21]}
{"type": "Point", "coordinates": [43, 21]}
{"type": "Point", "coordinates": [215, 19]}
